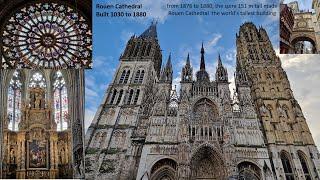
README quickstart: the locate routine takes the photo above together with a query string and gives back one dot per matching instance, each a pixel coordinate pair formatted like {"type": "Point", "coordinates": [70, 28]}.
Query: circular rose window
{"type": "Point", "coordinates": [46, 35]}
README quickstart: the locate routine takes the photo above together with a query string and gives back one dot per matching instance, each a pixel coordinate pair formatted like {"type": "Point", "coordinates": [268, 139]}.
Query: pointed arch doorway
{"type": "Point", "coordinates": [207, 164]}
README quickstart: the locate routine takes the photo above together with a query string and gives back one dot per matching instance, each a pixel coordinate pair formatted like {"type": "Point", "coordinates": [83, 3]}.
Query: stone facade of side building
{"type": "Point", "coordinates": [305, 28]}
{"type": "Point", "coordinates": [145, 130]}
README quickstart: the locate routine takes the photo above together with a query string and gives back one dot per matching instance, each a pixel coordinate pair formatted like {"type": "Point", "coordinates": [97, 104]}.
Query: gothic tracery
{"type": "Point", "coordinates": [46, 35]}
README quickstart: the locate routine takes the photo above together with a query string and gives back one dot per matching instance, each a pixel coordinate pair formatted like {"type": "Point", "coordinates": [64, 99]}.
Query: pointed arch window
{"type": "Point", "coordinates": [14, 101]}
{"type": "Point", "coordinates": [120, 96]}
{"type": "Point", "coordinates": [136, 78]}
{"type": "Point", "coordinates": [130, 96]}
{"type": "Point", "coordinates": [139, 76]}
{"type": "Point", "coordinates": [113, 96]}
{"type": "Point", "coordinates": [287, 166]}
{"type": "Point", "coordinates": [60, 98]}
{"type": "Point", "coordinates": [304, 165]}
{"type": "Point", "coordinates": [37, 80]}
{"type": "Point", "coordinates": [136, 97]}
{"type": "Point", "coordinates": [124, 77]}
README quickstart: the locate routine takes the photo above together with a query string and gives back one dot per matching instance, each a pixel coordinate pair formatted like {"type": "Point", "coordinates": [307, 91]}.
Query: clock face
{"type": "Point", "coordinates": [302, 24]}
{"type": "Point", "coordinates": [46, 35]}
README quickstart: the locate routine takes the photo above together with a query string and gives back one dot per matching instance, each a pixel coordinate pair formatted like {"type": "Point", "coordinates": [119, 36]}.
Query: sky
{"type": "Point", "coordinates": [303, 4]}
{"type": "Point", "coordinates": [182, 35]}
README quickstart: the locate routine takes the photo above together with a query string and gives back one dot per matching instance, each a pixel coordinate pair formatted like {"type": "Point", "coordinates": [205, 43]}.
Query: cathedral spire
{"type": "Point", "coordinates": [166, 74]}
{"type": "Point", "coordinates": [221, 72]}
{"type": "Point", "coordinates": [186, 75]}
{"type": "Point", "coordinates": [219, 61]}
{"type": "Point", "coordinates": [202, 63]}
{"type": "Point", "coordinates": [151, 32]}
{"type": "Point", "coordinates": [202, 74]}
{"type": "Point", "coordinates": [188, 61]}
{"type": "Point", "coordinates": [169, 64]}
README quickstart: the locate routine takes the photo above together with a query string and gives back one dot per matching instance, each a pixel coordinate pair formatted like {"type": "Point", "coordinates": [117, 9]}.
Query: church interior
{"type": "Point", "coordinates": [36, 134]}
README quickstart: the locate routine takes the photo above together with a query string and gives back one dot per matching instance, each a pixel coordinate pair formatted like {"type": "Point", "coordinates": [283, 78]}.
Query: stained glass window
{"type": "Point", "coordinates": [14, 101]}
{"type": "Point", "coordinates": [47, 35]}
{"type": "Point", "coordinates": [37, 80]}
{"type": "Point", "coordinates": [60, 102]}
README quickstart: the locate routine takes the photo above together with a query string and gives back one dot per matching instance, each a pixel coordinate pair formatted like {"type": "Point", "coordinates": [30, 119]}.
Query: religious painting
{"type": "Point", "coordinates": [37, 154]}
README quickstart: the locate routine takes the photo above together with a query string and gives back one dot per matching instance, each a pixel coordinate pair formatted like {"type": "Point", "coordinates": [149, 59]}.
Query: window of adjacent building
{"type": "Point", "coordinates": [60, 97]}
{"type": "Point", "coordinates": [14, 101]}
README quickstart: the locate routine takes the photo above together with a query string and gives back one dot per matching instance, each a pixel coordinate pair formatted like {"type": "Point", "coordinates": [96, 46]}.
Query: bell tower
{"type": "Point", "coordinates": [117, 133]}
{"type": "Point", "coordinates": [292, 150]}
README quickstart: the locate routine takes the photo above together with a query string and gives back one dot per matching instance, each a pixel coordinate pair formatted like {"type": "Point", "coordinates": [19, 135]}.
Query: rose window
{"type": "Point", "coordinates": [46, 35]}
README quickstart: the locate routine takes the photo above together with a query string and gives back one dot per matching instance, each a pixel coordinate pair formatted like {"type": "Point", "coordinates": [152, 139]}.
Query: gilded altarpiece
{"type": "Point", "coordinates": [37, 149]}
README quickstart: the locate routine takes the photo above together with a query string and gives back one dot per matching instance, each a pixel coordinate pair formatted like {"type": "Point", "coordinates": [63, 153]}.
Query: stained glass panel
{"type": "Point", "coordinates": [47, 35]}
{"type": "Point", "coordinates": [60, 102]}
{"type": "Point", "coordinates": [37, 80]}
{"type": "Point", "coordinates": [14, 102]}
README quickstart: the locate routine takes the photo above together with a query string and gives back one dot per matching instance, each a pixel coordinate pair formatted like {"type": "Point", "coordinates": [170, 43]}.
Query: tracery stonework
{"type": "Point", "coordinates": [200, 132]}
{"type": "Point", "coordinates": [45, 34]}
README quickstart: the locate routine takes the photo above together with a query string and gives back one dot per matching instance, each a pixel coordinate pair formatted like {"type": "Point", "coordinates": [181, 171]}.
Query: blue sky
{"type": "Point", "coordinates": [178, 35]}
{"type": "Point", "coordinates": [303, 4]}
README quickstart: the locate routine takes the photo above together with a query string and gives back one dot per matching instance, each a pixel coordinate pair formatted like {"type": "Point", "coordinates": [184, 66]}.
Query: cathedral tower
{"type": "Point", "coordinates": [145, 130]}
{"type": "Point", "coordinates": [293, 153]}
{"type": "Point", "coordinates": [114, 138]}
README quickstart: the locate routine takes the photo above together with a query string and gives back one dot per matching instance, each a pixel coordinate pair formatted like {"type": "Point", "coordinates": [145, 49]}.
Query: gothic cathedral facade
{"type": "Point", "coordinates": [145, 130]}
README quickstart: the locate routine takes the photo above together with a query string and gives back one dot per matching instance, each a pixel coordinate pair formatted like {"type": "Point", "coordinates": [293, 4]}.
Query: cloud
{"type": "Point", "coordinates": [91, 93]}
{"type": "Point", "coordinates": [89, 115]}
{"type": "Point", "coordinates": [303, 5]}
{"type": "Point", "coordinates": [211, 45]}
{"type": "Point", "coordinates": [304, 76]}
{"type": "Point", "coordinates": [95, 85]}
{"type": "Point", "coordinates": [156, 10]}
{"type": "Point", "coordinates": [214, 40]}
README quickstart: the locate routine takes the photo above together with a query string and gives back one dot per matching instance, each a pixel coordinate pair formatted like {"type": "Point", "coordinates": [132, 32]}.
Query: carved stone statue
{"type": "Point", "coordinates": [12, 156]}
{"type": "Point", "coordinates": [37, 101]}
